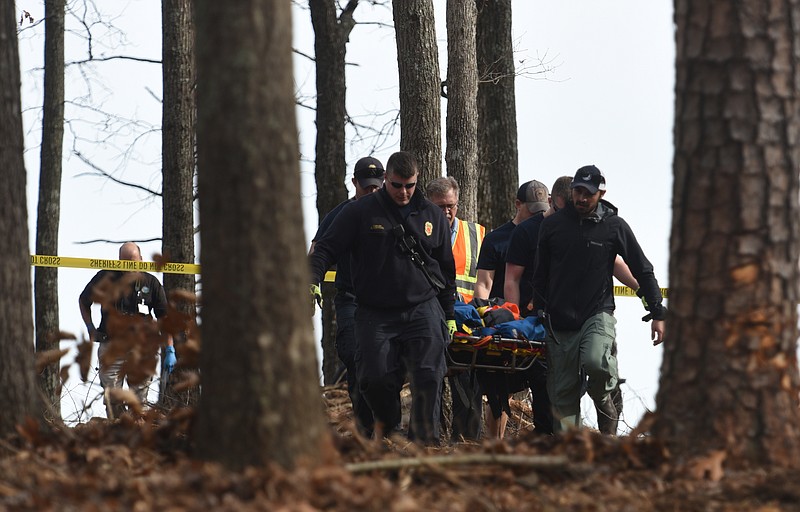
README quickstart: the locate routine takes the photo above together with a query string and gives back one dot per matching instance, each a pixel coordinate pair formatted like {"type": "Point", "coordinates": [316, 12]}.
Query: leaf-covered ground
{"type": "Point", "coordinates": [146, 465]}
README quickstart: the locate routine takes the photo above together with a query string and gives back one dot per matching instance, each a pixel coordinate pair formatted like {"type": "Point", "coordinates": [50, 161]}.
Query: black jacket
{"type": "Point", "coordinates": [143, 288]}
{"type": "Point", "coordinates": [383, 276]}
{"type": "Point", "coordinates": [573, 278]}
{"type": "Point", "coordinates": [343, 280]}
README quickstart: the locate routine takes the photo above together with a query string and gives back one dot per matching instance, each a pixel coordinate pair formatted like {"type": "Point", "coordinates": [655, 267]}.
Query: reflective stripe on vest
{"type": "Point", "coordinates": [466, 248]}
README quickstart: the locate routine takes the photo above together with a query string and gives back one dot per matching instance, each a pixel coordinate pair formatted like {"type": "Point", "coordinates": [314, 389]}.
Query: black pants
{"type": "Point", "coordinates": [467, 406]}
{"type": "Point", "coordinates": [391, 342]}
{"type": "Point", "coordinates": [497, 386]}
{"type": "Point", "coordinates": [540, 399]}
{"type": "Point", "coordinates": [346, 347]}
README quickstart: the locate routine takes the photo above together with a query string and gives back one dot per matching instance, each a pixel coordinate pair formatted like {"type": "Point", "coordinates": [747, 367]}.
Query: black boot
{"type": "Point", "coordinates": [607, 416]}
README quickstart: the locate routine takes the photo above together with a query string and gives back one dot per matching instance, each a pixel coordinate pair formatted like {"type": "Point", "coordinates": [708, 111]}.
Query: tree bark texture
{"type": "Point", "coordinates": [178, 139]}
{"type": "Point", "coordinates": [331, 33]}
{"type": "Point", "coordinates": [498, 166]}
{"type": "Point", "coordinates": [49, 209]}
{"type": "Point", "coordinates": [179, 114]}
{"type": "Point", "coordinates": [461, 154]}
{"type": "Point", "coordinates": [420, 85]}
{"type": "Point", "coordinates": [330, 359]}
{"type": "Point", "coordinates": [261, 398]}
{"type": "Point", "coordinates": [729, 378]}
{"type": "Point", "coordinates": [17, 383]}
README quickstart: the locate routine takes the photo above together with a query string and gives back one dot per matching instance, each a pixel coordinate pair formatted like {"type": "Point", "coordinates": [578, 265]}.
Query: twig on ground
{"type": "Point", "coordinates": [535, 462]}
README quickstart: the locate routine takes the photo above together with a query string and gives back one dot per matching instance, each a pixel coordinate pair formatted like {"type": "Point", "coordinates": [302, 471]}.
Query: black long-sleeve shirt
{"type": "Point", "coordinates": [384, 276]}
{"type": "Point", "coordinates": [343, 281]}
{"type": "Point", "coordinates": [575, 265]}
{"type": "Point", "coordinates": [142, 294]}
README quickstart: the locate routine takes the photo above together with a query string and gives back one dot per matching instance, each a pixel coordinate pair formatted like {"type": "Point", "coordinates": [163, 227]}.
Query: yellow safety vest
{"type": "Point", "coordinates": [466, 248]}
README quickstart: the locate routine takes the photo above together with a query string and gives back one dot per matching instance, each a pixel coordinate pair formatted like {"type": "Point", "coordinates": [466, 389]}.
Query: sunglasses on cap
{"type": "Point", "coordinates": [407, 186]}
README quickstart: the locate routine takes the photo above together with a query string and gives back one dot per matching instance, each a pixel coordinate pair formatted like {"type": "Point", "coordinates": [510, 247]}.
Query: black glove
{"type": "Point", "coordinates": [659, 312]}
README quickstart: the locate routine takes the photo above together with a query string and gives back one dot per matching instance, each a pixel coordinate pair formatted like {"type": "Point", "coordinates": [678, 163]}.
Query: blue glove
{"type": "Point", "coordinates": [170, 359]}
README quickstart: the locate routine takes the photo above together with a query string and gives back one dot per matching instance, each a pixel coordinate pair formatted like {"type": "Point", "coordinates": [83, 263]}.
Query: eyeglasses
{"type": "Point", "coordinates": [450, 207]}
{"type": "Point", "coordinates": [407, 186]}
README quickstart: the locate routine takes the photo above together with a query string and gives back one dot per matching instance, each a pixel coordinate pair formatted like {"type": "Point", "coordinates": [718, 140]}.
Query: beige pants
{"type": "Point", "coordinates": [112, 377]}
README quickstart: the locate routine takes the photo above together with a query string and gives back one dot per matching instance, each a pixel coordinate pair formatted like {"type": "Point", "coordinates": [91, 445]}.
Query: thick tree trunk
{"type": "Point", "coordinates": [331, 34]}
{"type": "Point", "coordinates": [497, 113]}
{"type": "Point", "coordinates": [17, 383]}
{"type": "Point", "coordinates": [261, 398]}
{"type": "Point", "coordinates": [729, 379]}
{"type": "Point", "coordinates": [178, 160]}
{"type": "Point", "coordinates": [462, 105]}
{"type": "Point", "coordinates": [49, 210]}
{"type": "Point", "coordinates": [420, 85]}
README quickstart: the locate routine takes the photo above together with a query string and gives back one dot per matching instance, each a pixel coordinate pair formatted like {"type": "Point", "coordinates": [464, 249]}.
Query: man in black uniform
{"type": "Point", "coordinates": [531, 200]}
{"type": "Point", "coordinates": [519, 290]}
{"type": "Point", "coordinates": [403, 276]}
{"type": "Point", "coordinates": [573, 286]}
{"type": "Point", "coordinates": [518, 287]}
{"type": "Point", "coordinates": [129, 338]}
{"type": "Point", "coordinates": [367, 178]}
{"type": "Point", "coordinates": [492, 258]}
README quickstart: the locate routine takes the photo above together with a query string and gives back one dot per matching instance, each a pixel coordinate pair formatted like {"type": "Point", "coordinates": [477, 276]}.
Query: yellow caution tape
{"type": "Point", "coordinates": [38, 260]}
{"type": "Point", "coordinates": [624, 291]}
{"type": "Point", "coordinates": [619, 291]}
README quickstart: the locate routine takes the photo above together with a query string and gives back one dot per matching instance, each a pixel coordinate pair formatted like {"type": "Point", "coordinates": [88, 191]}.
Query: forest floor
{"type": "Point", "coordinates": [146, 465]}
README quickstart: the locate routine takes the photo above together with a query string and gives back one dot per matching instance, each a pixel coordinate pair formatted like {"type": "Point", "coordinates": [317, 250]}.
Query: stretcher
{"type": "Point", "coordinates": [494, 352]}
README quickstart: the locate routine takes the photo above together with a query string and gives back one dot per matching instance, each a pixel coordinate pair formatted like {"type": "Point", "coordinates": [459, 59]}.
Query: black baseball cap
{"type": "Point", "coordinates": [369, 172]}
{"type": "Point", "coordinates": [589, 177]}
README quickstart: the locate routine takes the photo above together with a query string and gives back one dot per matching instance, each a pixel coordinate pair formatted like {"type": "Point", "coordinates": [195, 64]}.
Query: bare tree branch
{"type": "Point", "coordinates": [107, 241]}
{"type": "Point", "coordinates": [302, 54]}
{"type": "Point", "coordinates": [548, 462]}
{"type": "Point", "coordinates": [100, 172]}
{"type": "Point", "coordinates": [112, 57]}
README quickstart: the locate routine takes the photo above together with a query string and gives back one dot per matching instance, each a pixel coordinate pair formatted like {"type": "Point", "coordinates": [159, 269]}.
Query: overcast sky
{"type": "Point", "coordinates": [607, 100]}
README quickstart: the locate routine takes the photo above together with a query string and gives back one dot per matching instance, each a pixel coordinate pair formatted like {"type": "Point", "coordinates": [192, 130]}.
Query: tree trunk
{"type": "Point", "coordinates": [330, 359]}
{"type": "Point", "coordinates": [178, 162]}
{"type": "Point", "coordinates": [331, 34]}
{"type": "Point", "coordinates": [462, 107]}
{"type": "Point", "coordinates": [497, 113]}
{"type": "Point", "coordinates": [49, 210]}
{"type": "Point", "coordinates": [420, 85]}
{"type": "Point", "coordinates": [261, 398]}
{"type": "Point", "coordinates": [729, 379]}
{"type": "Point", "coordinates": [17, 383]}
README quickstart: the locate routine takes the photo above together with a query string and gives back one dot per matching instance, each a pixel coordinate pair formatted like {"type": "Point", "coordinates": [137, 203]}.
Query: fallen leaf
{"type": "Point", "coordinates": [84, 359]}
{"type": "Point", "coordinates": [127, 396]}
{"type": "Point", "coordinates": [190, 380]}
{"type": "Point", "coordinates": [709, 467]}
{"type": "Point", "coordinates": [43, 359]}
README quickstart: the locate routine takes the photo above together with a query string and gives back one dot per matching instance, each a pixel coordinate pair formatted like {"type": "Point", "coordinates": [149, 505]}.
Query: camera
{"type": "Point", "coordinates": [406, 242]}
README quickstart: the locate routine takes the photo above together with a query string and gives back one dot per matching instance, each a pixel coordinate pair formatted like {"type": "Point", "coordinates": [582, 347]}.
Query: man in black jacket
{"type": "Point", "coordinates": [573, 285]}
{"type": "Point", "coordinates": [403, 277]}
{"type": "Point", "coordinates": [367, 179]}
{"type": "Point", "coordinates": [129, 338]}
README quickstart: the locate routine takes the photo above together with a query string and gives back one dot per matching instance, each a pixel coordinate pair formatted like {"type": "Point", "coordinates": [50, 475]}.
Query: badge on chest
{"type": "Point", "coordinates": [141, 296]}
